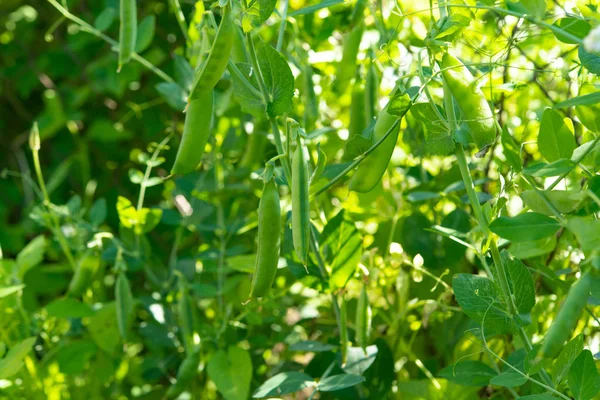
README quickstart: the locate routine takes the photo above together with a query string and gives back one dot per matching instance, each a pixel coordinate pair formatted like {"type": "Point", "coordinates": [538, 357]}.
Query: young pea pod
{"type": "Point", "coordinates": [196, 131]}
{"type": "Point", "coordinates": [127, 31]}
{"type": "Point", "coordinates": [311, 104]}
{"type": "Point", "coordinates": [358, 108]}
{"type": "Point", "coordinates": [186, 315]}
{"type": "Point", "coordinates": [371, 92]}
{"type": "Point", "coordinates": [344, 331]}
{"type": "Point", "coordinates": [402, 291]}
{"type": "Point", "coordinates": [84, 274]}
{"type": "Point", "coordinates": [476, 111]}
{"type": "Point", "coordinates": [210, 71]}
{"type": "Point", "coordinates": [255, 149]}
{"type": "Point", "coordinates": [300, 204]}
{"type": "Point", "coordinates": [347, 66]}
{"type": "Point", "coordinates": [567, 318]}
{"type": "Point", "coordinates": [371, 170]}
{"type": "Point", "coordinates": [269, 240]}
{"type": "Point", "coordinates": [239, 53]}
{"type": "Point", "coordinates": [125, 306]}
{"type": "Point", "coordinates": [185, 374]}
{"type": "Point", "coordinates": [363, 318]}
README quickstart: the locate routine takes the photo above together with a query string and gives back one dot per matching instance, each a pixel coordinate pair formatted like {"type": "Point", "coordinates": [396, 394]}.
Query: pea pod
{"type": "Point", "coordinates": [300, 204]}
{"type": "Point", "coordinates": [186, 314]}
{"type": "Point", "coordinates": [567, 318]}
{"type": "Point", "coordinates": [255, 149]}
{"type": "Point", "coordinates": [347, 66]}
{"type": "Point", "coordinates": [363, 318]}
{"type": "Point", "coordinates": [185, 374]}
{"type": "Point", "coordinates": [371, 170]}
{"type": "Point", "coordinates": [358, 117]}
{"type": "Point", "coordinates": [127, 31]}
{"type": "Point", "coordinates": [196, 131]}
{"type": "Point", "coordinates": [210, 71]}
{"type": "Point", "coordinates": [476, 111]}
{"type": "Point", "coordinates": [269, 240]}
{"type": "Point", "coordinates": [344, 331]}
{"type": "Point", "coordinates": [371, 92]}
{"type": "Point", "coordinates": [84, 274]}
{"type": "Point", "coordinates": [124, 301]}
{"type": "Point", "coordinates": [239, 53]}
{"type": "Point", "coordinates": [311, 105]}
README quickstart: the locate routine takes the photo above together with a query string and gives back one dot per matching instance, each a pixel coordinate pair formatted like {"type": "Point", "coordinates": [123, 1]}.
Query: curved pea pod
{"type": "Point", "coordinates": [300, 204]}
{"type": "Point", "coordinates": [127, 31]}
{"type": "Point", "coordinates": [84, 274]}
{"type": "Point", "coordinates": [185, 374]}
{"type": "Point", "coordinates": [371, 170]}
{"type": "Point", "coordinates": [311, 104]}
{"type": "Point", "coordinates": [363, 318]}
{"type": "Point", "coordinates": [476, 111]}
{"type": "Point", "coordinates": [196, 131]}
{"type": "Point", "coordinates": [186, 315]}
{"type": "Point", "coordinates": [567, 317]}
{"type": "Point", "coordinates": [211, 70]}
{"type": "Point", "coordinates": [255, 149]}
{"type": "Point", "coordinates": [239, 53]}
{"type": "Point", "coordinates": [402, 290]}
{"type": "Point", "coordinates": [358, 116]}
{"type": "Point", "coordinates": [344, 331]}
{"type": "Point", "coordinates": [125, 307]}
{"type": "Point", "coordinates": [269, 240]}
{"type": "Point", "coordinates": [371, 92]}
{"type": "Point", "coordinates": [346, 69]}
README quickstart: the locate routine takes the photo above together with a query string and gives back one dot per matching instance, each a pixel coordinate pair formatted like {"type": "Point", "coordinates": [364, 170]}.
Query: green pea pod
{"type": "Point", "coordinates": [363, 318]}
{"type": "Point", "coordinates": [211, 70]}
{"type": "Point", "coordinates": [567, 318]}
{"type": "Point", "coordinates": [127, 31]}
{"type": "Point", "coordinates": [84, 274]}
{"type": "Point", "coordinates": [269, 240]}
{"type": "Point", "coordinates": [186, 315]}
{"type": "Point", "coordinates": [371, 170]}
{"type": "Point", "coordinates": [196, 131]}
{"type": "Point", "coordinates": [344, 331]}
{"type": "Point", "coordinates": [300, 204]}
{"type": "Point", "coordinates": [346, 69]}
{"type": "Point", "coordinates": [311, 105]}
{"type": "Point", "coordinates": [371, 93]}
{"type": "Point", "coordinates": [476, 111]}
{"type": "Point", "coordinates": [358, 117]}
{"type": "Point", "coordinates": [239, 53]}
{"type": "Point", "coordinates": [402, 291]}
{"type": "Point", "coordinates": [255, 149]}
{"type": "Point", "coordinates": [124, 301]}
{"type": "Point", "coordinates": [185, 374]}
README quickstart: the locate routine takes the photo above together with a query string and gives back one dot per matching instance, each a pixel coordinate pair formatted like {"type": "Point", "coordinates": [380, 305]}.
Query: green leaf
{"type": "Point", "coordinates": [282, 384]}
{"type": "Point", "coordinates": [453, 25]}
{"type": "Point", "coordinates": [69, 308]}
{"type": "Point", "coordinates": [468, 373]}
{"type": "Point", "coordinates": [589, 113]}
{"type": "Point", "coordinates": [543, 170]}
{"type": "Point", "coordinates": [583, 377]}
{"type": "Point", "coordinates": [556, 140]}
{"type": "Point", "coordinates": [566, 357]}
{"type": "Point", "coordinates": [542, 396]}
{"type": "Point", "coordinates": [31, 255]}
{"type": "Point", "coordinates": [247, 92]}
{"type": "Point", "coordinates": [315, 7]}
{"type": "Point", "coordinates": [585, 100]}
{"type": "Point", "coordinates": [339, 382]}
{"type": "Point", "coordinates": [590, 61]}
{"type": "Point", "coordinates": [135, 176]}
{"type": "Point", "coordinates": [148, 219]}
{"type": "Point", "coordinates": [73, 357]}
{"type": "Point", "coordinates": [587, 232]}
{"type": "Point", "coordinates": [184, 73]}
{"type": "Point", "coordinates": [359, 360]}
{"type": "Point", "coordinates": [98, 212]}
{"type": "Point", "coordinates": [520, 282]}
{"type": "Point", "coordinates": [103, 328]}
{"type": "Point", "coordinates": [12, 363]}
{"type": "Point", "coordinates": [279, 80]}
{"type": "Point", "coordinates": [575, 26]}
{"type": "Point", "coordinates": [145, 33]}
{"type": "Point", "coordinates": [511, 150]}
{"type": "Point", "coordinates": [231, 372]}
{"type": "Point", "coordinates": [7, 291]}
{"type": "Point", "coordinates": [416, 197]}
{"type": "Point", "coordinates": [438, 137]}
{"type": "Point", "coordinates": [535, 8]}
{"type": "Point", "coordinates": [341, 245]}
{"type": "Point", "coordinates": [103, 130]}
{"type": "Point", "coordinates": [105, 19]}
{"type": "Point", "coordinates": [508, 379]}
{"type": "Point", "coordinates": [565, 201]}
{"type": "Point", "coordinates": [173, 94]}
{"type": "Point", "coordinates": [534, 248]}
{"type": "Point", "coordinates": [312, 346]}
{"type": "Point", "coordinates": [525, 227]}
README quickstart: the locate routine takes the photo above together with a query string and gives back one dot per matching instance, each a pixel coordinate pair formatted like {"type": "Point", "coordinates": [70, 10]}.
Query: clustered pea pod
{"type": "Point", "coordinates": [84, 274]}
{"type": "Point", "coordinates": [300, 204]}
{"type": "Point", "coordinates": [371, 92]}
{"type": "Point", "coordinates": [185, 374]}
{"type": "Point", "coordinates": [358, 108]}
{"type": "Point", "coordinates": [476, 111]}
{"type": "Point", "coordinates": [196, 131]}
{"type": "Point", "coordinates": [344, 330]}
{"type": "Point", "coordinates": [124, 301]}
{"type": "Point", "coordinates": [567, 317]}
{"type": "Point", "coordinates": [209, 72]}
{"type": "Point", "coordinates": [269, 240]}
{"type": "Point", "coordinates": [186, 314]}
{"type": "Point", "coordinates": [363, 318]}
{"type": "Point", "coordinates": [370, 171]}
{"type": "Point", "coordinates": [127, 31]}
{"type": "Point", "coordinates": [311, 104]}
{"type": "Point", "coordinates": [347, 66]}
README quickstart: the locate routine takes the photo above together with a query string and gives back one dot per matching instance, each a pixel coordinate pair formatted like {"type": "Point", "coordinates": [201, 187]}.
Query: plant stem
{"type": "Point", "coordinates": [180, 20]}
{"type": "Point", "coordinates": [282, 26]}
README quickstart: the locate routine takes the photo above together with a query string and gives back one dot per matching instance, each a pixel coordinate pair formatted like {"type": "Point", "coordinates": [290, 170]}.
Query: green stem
{"type": "Point", "coordinates": [180, 20]}
{"type": "Point", "coordinates": [282, 26]}
{"type": "Point", "coordinates": [577, 161]}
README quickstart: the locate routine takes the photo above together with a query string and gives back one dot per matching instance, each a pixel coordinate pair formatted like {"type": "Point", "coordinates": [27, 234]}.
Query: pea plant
{"type": "Point", "coordinates": [300, 200]}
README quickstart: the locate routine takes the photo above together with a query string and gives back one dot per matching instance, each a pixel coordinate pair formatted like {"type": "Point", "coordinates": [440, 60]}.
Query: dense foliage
{"type": "Point", "coordinates": [371, 199]}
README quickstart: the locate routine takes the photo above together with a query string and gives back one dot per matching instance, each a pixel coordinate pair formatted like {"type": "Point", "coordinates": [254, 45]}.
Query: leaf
{"type": "Point", "coordinates": [279, 80]}
{"type": "Point", "coordinates": [359, 360]}
{"type": "Point", "coordinates": [258, 13]}
{"type": "Point", "coordinates": [543, 170]}
{"type": "Point", "coordinates": [321, 163]}
{"type": "Point", "coordinates": [7, 291]}
{"type": "Point", "coordinates": [315, 7]}
{"type": "Point", "coordinates": [587, 232]}
{"type": "Point", "coordinates": [520, 282]}
{"type": "Point", "coordinates": [246, 91]}
{"type": "Point", "coordinates": [555, 140]}
{"type": "Point", "coordinates": [566, 357]}
{"type": "Point", "coordinates": [173, 94]}
{"type": "Point", "coordinates": [31, 255]}
{"type": "Point", "coordinates": [534, 248]}
{"type": "Point", "coordinates": [588, 114]}
{"type": "Point", "coordinates": [184, 73]}
{"type": "Point", "coordinates": [103, 328]}
{"type": "Point", "coordinates": [98, 212]}
{"type": "Point", "coordinates": [69, 308]}
{"type": "Point", "coordinates": [565, 201]}
{"type": "Point", "coordinates": [468, 373]}
{"type": "Point", "coordinates": [148, 219]}
{"type": "Point", "coordinates": [135, 176]}
{"type": "Point", "coordinates": [508, 379]}
{"type": "Point", "coordinates": [585, 100]}
{"type": "Point", "coordinates": [103, 130]}
{"type": "Point", "coordinates": [511, 150]}
{"type": "Point", "coordinates": [12, 363]}
{"type": "Point", "coordinates": [231, 372]}
{"type": "Point", "coordinates": [73, 357]}
{"type": "Point", "coordinates": [438, 137]}
{"type": "Point", "coordinates": [311, 345]}
{"type": "Point", "coordinates": [105, 19]}
{"type": "Point", "coordinates": [542, 396]}
{"type": "Point", "coordinates": [283, 383]}
{"type": "Point", "coordinates": [415, 197]}
{"type": "Point", "coordinates": [583, 379]}
{"type": "Point", "coordinates": [590, 61]}
{"type": "Point", "coordinates": [341, 245]}
{"type": "Point", "coordinates": [525, 227]}
{"type": "Point", "coordinates": [575, 26]}
{"type": "Point", "coordinates": [453, 25]}
{"type": "Point", "coordinates": [535, 8]}
{"type": "Point", "coordinates": [145, 33]}
{"type": "Point", "coordinates": [339, 382]}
